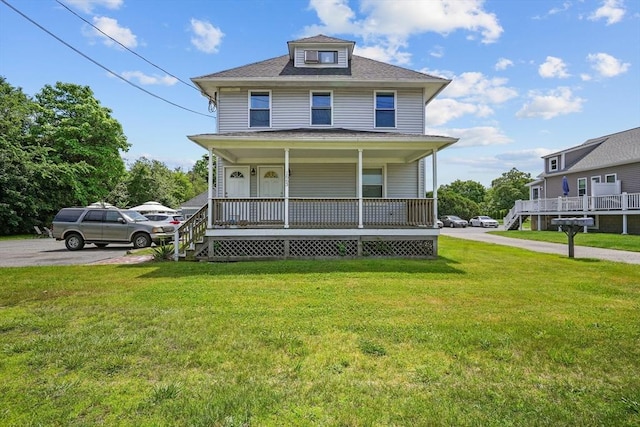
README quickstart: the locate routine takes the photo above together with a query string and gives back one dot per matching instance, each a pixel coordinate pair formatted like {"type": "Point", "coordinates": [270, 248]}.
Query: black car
{"type": "Point", "coordinates": [453, 221]}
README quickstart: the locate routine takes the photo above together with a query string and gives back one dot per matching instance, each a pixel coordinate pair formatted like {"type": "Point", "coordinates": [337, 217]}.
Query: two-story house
{"type": "Point", "coordinates": [320, 153]}
{"type": "Point", "coordinates": [599, 178]}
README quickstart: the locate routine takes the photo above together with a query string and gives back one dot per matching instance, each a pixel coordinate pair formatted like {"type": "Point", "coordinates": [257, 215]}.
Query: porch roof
{"type": "Point", "coordinates": [321, 145]}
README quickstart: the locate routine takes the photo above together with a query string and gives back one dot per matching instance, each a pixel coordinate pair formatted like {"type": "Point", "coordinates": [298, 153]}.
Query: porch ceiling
{"type": "Point", "coordinates": [268, 147]}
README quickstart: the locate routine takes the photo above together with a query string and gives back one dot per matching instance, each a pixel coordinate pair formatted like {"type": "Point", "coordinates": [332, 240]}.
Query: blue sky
{"type": "Point", "coordinates": [530, 77]}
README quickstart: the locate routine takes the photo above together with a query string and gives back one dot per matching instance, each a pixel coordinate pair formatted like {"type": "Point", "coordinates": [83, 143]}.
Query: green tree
{"type": "Point", "coordinates": [452, 203]}
{"type": "Point", "coordinates": [199, 174]}
{"type": "Point", "coordinates": [508, 188]}
{"type": "Point", "coordinates": [153, 180]}
{"type": "Point", "coordinates": [472, 190]}
{"type": "Point", "coordinates": [80, 133]}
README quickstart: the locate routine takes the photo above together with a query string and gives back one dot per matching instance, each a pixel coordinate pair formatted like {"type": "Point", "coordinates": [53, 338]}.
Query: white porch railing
{"type": "Point", "coordinates": [567, 205]}
{"type": "Point", "coordinates": [322, 213]}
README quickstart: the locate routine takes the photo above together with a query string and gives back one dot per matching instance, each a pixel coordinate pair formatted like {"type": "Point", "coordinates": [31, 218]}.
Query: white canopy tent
{"type": "Point", "coordinates": [153, 207]}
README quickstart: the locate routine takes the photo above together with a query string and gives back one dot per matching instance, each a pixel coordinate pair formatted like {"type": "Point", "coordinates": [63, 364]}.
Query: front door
{"type": "Point", "coordinates": [236, 185]}
{"type": "Point", "coordinates": [271, 186]}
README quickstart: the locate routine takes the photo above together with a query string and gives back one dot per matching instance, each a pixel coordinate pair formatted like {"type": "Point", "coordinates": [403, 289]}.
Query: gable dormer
{"type": "Point", "coordinates": [320, 52]}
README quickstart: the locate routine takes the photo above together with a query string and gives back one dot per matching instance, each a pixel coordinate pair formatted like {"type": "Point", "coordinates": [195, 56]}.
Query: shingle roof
{"type": "Point", "coordinates": [361, 68]}
{"type": "Point", "coordinates": [336, 133]}
{"type": "Point", "coordinates": [618, 148]}
{"type": "Point", "coordinates": [320, 38]}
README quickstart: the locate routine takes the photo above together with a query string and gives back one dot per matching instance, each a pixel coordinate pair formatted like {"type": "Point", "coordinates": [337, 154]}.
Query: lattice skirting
{"type": "Point", "coordinates": [237, 249]}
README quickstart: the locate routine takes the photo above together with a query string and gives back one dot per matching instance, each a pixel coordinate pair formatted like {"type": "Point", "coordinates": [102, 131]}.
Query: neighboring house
{"type": "Point", "coordinates": [603, 181]}
{"type": "Point", "coordinates": [192, 206]}
{"type": "Point", "coordinates": [320, 153]}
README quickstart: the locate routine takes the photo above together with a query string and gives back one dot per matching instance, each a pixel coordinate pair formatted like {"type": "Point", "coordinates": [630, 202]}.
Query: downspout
{"type": "Point", "coordinates": [210, 195]}
{"type": "Point", "coordinates": [434, 160]}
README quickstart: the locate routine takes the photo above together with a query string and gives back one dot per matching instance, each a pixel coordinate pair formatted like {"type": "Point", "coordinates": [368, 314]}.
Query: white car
{"type": "Point", "coordinates": [483, 221]}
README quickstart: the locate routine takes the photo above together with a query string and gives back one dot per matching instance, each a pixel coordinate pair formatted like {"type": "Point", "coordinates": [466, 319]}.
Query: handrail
{"type": "Point", "coordinates": [190, 232]}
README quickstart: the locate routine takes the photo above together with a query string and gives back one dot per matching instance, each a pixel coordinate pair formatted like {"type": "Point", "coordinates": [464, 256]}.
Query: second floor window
{"type": "Point", "coordinates": [259, 109]}
{"type": "Point", "coordinates": [321, 108]}
{"type": "Point", "coordinates": [385, 110]}
{"type": "Point", "coordinates": [553, 164]}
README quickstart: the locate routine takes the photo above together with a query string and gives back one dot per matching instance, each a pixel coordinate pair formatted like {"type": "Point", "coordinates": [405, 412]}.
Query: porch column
{"type": "Point", "coordinates": [286, 188]}
{"type": "Point", "coordinates": [359, 189]}
{"type": "Point", "coordinates": [434, 167]}
{"type": "Point", "coordinates": [625, 206]}
{"type": "Point", "coordinates": [210, 195]}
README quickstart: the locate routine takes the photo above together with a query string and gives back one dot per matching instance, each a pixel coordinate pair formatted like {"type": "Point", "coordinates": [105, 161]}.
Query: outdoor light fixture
{"type": "Point", "coordinates": [253, 171]}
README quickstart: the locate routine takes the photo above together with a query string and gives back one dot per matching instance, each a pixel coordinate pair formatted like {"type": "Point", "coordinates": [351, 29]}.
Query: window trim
{"type": "Point", "coordinates": [335, 56]}
{"type": "Point", "coordinates": [383, 172]}
{"type": "Point", "coordinates": [585, 186]}
{"type": "Point", "coordinates": [249, 109]}
{"type": "Point", "coordinates": [311, 93]}
{"type": "Point", "coordinates": [395, 109]}
{"type": "Point", "coordinates": [551, 160]}
{"type": "Point", "coordinates": [614, 175]}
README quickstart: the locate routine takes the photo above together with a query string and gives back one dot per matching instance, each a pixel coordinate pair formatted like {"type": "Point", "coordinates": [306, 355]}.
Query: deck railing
{"type": "Point", "coordinates": [322, 213]}
{"type": "Point", "coordinates": [573, 205]}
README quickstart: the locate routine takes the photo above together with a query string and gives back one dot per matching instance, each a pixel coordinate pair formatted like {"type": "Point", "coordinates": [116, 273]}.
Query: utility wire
{"type": "Point", "coordinates": [100, 65]}
{"type": "Point", "coordinates": [133, 52]}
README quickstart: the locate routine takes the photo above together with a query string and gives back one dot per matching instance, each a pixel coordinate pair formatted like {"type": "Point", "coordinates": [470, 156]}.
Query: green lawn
{"type": "Point", "coordinates": [596, 240]}
{"type": "Point", "coordinates": [486, 335]}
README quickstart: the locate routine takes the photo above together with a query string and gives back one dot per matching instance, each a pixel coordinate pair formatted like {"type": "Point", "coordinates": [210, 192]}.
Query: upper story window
{"type": "Point", "coordinates": [385, 110]}
{"type": "Point", "coordinates": [320, 57]}
{"type": "Point", "coordinates": [321, 104]}
{"type": "Point", "coordinates": [553, 164]}
{"type": "Point", "coordinates": [259, 109]}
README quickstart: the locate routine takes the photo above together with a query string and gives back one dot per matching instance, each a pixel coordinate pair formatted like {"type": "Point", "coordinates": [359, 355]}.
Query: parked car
{"type": "Point", "coordinates": [77, 226]}
{"type": "Point", "coordinates": [439, 223]}
{"type": "Point", "coordinates": [483, 221]}
{"type": "Point", "coordinates": [453, 221]}
{"type": "Point", "coordinates": [168, 218]}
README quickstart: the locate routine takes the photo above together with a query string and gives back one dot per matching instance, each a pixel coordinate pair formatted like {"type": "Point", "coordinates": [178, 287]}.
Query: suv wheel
{"type": "Point", "coordinates": [141, 240]}
{"type": "Point", "coordinates": [74, 242]}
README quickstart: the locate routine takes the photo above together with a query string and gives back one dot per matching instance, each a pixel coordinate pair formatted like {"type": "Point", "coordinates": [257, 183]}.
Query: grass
{"type": "Point", "coordinates": [485, 335]}
{"type": "Point", "coordinates": [597, 240]}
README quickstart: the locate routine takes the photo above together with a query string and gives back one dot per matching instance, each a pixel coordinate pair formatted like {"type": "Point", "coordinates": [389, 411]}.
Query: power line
{"type": "Point", "coordinates": [100, 65]}
{"type": "Point", "coordinates": [125, 47]}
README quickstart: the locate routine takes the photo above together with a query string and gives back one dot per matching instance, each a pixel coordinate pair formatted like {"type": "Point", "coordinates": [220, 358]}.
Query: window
{"type": "Point", "coordinates": [535, 193]}
{"type": "Point", "coordinates": [595, 179]}
{"type": "Point", "coordinates": [321, 108]}
{"type": "Point", "coordinates": [93, 216]}
{"type": "Point", "coordinates": [113, 216]}
{"type": "Point", "coordinates": [259, 109]}
{"type": "Point", "coordinates": [385, 110]}
{"type": "Point", "coordinates": [372, 182]}
{"type": "Point", "coordinates": [610, 177]}
{"type": "Point", "coordinates": [582, 186]}
{"type": "Point", "coordinates": [553, 164]}
{"type": "Point", "coordinates": [328, 57]}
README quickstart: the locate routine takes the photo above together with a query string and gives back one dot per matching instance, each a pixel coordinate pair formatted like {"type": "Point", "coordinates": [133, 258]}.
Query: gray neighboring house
{"type": "Point", "coordinates": [320, 153]}
{"type": "Point", "coordinates": [603, 180]}
{"type": "Point", "coordinates": [192, 206]}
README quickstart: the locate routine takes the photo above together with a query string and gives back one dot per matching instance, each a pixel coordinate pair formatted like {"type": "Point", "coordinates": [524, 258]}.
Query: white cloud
{"type": "Point", "coordinates": [476, 87]}
{"type": "Point", "coordinates": [441, 111]}
{"type": "Point", "coordinates": [384, 54]}
{"type": "Point", "coordinates": [547, 106]}
{"type": "Point", "coordinates": [503, 64]}
{"type": "Point", "coordinates": [611, 10]}
{"type": "Point", "coordinates": [111, 27]}
{"type": "Point", "coordinates": [585, 77]}
{"type": "Point", "coordinates": [527, 155]}
{"type": "Point", "coordinates": [207, 38]}
{"type": "Point", "coordinates": [553, 67]}
{"type": "Point", "coordinates": [144, 79]}
{"type": "Point", "coordinates": [387, 25]}
{"type": "Point", "coordinates": [88, 6]}
{"type": "Point", "coordinates": [437, 51]}
{"type": "Point", "coordinates": [606, 65]}
{"type": "Point", "coordinates": [480, 136]}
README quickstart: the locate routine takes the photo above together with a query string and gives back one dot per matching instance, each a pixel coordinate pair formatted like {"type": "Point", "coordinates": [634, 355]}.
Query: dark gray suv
{"type": "Point", "coordinates": [77, 226]}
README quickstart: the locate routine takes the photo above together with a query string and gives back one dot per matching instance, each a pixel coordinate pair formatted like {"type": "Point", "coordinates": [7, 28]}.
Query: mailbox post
{"type": "Point", "coordinates": [571, 226]}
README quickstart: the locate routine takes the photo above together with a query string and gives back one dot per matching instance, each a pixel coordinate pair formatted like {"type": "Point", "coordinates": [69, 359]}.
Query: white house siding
{"type": "Point", "coordinates": [322, 180]}
{"type": "Point", "coordinates": [402, 180]}
{"type": "Point", "coordinates": [352, 109]}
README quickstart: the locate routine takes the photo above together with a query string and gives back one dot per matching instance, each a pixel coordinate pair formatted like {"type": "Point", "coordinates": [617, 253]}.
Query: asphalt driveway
{"type": "Point", "coordinates": [33, 252]}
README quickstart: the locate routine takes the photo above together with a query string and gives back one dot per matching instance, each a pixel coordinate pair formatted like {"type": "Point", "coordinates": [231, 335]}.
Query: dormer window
{"type": "Point", "coordinates": [553, 164]}
{"type": "Point", "coordinates": [320, 57]}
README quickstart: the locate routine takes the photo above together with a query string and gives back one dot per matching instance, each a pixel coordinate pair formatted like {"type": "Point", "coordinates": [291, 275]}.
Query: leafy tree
{"type": "Point", "coordinates": [199, 174]}
{"type": "Point", "coordinates": [82, 134]}
{"type": "Point", "coordinates": [472, 190]}
{"type": "Point", "coordinates": [452, 203]}
{"type": "Point", "coordinates": [153, 180]}
{"type": "Point", "coordinates": [508, 188]}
